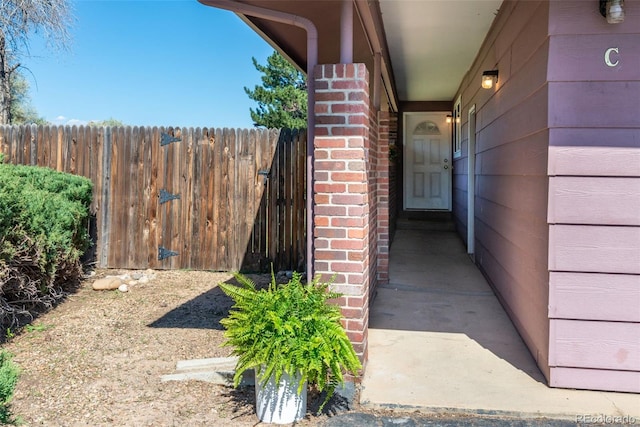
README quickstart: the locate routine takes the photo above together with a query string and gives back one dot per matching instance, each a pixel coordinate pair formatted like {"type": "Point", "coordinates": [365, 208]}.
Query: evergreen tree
{"type": "Point", "coordinates": [282, 98]}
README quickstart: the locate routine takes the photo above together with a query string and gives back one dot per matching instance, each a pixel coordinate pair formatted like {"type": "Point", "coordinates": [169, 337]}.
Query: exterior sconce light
{"type": "Point", "coordinates": [449, 119]}
{"type": "Point", "coordinates": [613, 10]}
{"type": "Point", "coordinates": [489, 78]}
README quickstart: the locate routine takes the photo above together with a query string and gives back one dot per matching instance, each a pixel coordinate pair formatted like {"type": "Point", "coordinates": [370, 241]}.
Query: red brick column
{"type": "Point", "coordinates": [383, 205]}
{"type": "Point", "coordinates": [394, 165]}
{"type": "Point", "coordinates": [341, 191]}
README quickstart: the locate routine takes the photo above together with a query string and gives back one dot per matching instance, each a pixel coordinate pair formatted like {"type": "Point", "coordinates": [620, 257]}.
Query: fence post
{"type": "Point", "coordinates": [105, 196]}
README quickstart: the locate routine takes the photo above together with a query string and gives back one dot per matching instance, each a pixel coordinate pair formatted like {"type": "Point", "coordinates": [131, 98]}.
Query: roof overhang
{"type": "Point", "coordinates": [433, 43]}
{"type": "Point", "coordinates": [425, 46]}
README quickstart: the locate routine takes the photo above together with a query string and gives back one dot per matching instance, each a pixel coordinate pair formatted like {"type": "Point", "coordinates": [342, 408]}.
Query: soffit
{"type": "Point", "coordinates": [431, 43]}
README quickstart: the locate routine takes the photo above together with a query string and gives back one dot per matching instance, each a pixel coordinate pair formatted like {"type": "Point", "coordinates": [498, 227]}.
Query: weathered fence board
{"type": "Point", "coordinates": [165, 198]}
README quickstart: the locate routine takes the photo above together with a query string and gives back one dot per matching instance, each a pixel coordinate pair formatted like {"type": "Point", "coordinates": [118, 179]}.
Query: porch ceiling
{"type": "Point", "coordinates": [432, 43]}
{"type": "Point", "coordinates": [427, 45]}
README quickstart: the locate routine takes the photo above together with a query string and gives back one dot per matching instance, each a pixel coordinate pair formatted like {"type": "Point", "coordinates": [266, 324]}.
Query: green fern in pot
{"type": "Point", "coordinates": [289, 329]}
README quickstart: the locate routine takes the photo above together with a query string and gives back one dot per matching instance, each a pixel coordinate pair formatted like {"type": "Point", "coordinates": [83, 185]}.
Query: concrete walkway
{"type": "Point", "coordinates": [439, 341]}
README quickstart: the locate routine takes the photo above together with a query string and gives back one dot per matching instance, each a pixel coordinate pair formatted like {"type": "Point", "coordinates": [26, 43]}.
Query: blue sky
{"type": "Point", "coordinates": [148, 63]}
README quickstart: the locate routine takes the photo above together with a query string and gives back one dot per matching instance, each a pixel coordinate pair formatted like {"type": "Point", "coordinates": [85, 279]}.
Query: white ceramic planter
{"type": "Point", "coordinates": [281, 405]}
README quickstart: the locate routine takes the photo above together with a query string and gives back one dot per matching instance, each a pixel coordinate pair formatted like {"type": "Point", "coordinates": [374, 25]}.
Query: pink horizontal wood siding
{"type": "Point", "coordinates": [505, 263]}
{"type": "Point", "coordinates": [596, 344]}
{"type": "Point", "coordinates": [526, 233]}
{"type": "Point", "coordinates": [557, 185]}
{"type": "Point", "coordinates": [612, 297]}
{"type": "Point", "coordinates": [524, 157]}
{"type": "Point", "coordinates": [593, 161]}
{"type": "Point", "coordinates": [586, 54]}
{"type": "Point", "coordinates": [597, 249]}
{"type": "Point", "coordinates": [580, 104]}
{"type": "Point", "coordinates": [511, 182]}
{"type": "Point", "coordinates": [573, 17]}
{"type": "Point", "coordinates": [596, 379]}
{"type": "Point", "coordinates": [594, 199]}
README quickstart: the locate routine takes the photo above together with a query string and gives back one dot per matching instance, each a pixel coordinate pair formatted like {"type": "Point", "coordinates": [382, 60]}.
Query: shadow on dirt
{"type": "Point", "coordinates": [203, 312]}
{"type": "Point", "coordinates": [206, 310]}
{"type": "Point", "coordinates": [241, 401]}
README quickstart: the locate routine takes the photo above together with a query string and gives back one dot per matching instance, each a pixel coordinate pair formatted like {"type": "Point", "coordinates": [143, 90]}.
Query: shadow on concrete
{"type": "Point", "coordinates": [436, 288]}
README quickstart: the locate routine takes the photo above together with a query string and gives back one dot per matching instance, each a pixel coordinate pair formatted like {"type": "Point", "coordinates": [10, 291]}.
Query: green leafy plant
{"type": "Point", "coordinates": [9, 374]}
{"type": "Point", "coordinates": [36, 327]}
{"type": "Point", "coordinates": [290, 328]}
{"type": "Point", "coordinates": [393, 152]}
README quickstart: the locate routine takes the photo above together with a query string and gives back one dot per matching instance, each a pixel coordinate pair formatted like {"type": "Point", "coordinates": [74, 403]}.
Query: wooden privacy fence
{"type": "Point", "coordinates": [165, 198]}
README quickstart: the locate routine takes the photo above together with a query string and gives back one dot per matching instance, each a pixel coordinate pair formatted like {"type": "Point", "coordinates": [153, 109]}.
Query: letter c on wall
{"type": "Point", "coordinates": [607, 57]}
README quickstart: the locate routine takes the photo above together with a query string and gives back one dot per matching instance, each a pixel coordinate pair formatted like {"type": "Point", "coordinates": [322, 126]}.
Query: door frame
{"type": "Point", "coordinates": [471, 179]}
{"type": "Point", "coordinates": [404, 162]}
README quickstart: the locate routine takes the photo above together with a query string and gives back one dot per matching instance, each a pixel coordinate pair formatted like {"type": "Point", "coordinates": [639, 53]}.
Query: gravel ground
{"type": "Point", "coordinates": [97, 358]}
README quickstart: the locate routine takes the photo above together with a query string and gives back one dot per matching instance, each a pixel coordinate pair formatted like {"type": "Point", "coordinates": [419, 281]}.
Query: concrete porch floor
{"type": "Point", "coordinates": [439, 341]}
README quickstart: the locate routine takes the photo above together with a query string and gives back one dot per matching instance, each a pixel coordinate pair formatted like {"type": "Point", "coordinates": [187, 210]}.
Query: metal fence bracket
{"type": "Point", "coordinates": [165, 196]}
{"type": "Point", "coordinates": [265, 174]}
{"type": "Point", "coordinates": [166, 139]}
{"type": "Point", "coordinates": [165, 253]}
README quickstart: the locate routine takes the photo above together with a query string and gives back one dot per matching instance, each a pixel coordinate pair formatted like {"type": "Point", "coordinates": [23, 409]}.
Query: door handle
{"type": "Point", "coordinates": [446, 166]}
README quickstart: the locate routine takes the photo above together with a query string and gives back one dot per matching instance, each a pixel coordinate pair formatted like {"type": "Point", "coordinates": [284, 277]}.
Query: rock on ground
{"type": "Point", "coordinates": [107, 284]}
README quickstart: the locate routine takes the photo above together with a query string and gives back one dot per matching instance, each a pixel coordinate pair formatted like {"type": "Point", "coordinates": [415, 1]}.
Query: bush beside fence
{"type": "Point", "coordinates": [43, 233]}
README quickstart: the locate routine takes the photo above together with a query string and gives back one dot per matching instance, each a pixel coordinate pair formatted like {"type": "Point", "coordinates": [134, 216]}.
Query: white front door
{"type": "Point", "coordinates": [427, 161]}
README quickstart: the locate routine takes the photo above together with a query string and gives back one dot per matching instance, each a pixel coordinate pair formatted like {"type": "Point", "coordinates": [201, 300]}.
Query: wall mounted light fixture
{"type": "Point", "coordinates": [449, 119]}
{"type": "Point", "coordinates": [489, 78]}
{"type": "Point", "coordinates": [613, 10]}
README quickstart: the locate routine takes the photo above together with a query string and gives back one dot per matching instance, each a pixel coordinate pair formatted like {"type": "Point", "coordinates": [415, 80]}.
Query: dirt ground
{"type": "Point", "coordinates": [97, 358]}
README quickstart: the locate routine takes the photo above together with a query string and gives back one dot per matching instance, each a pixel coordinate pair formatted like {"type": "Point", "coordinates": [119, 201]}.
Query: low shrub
{"type": "Point", "coordinates": [43, 233]}
{"type": "Point", "coordinates": [9, 373]}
